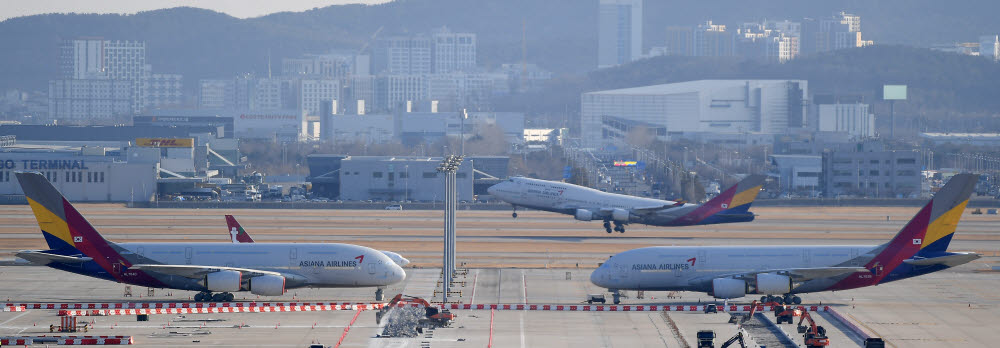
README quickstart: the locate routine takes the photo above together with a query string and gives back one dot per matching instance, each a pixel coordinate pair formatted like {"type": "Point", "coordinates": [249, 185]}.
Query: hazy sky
{"type": "Point", "coordinates": [235, 8]}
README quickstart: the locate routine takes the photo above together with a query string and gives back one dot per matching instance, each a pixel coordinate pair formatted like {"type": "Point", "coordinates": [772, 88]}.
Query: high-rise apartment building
{"type": "Point", "coordinates": [408, 55]}
{"type": "Point", "coordinates": [842, 30]}
{"type": "Point", "coordinates": [453, 52]}
{"type": "Point", "coordinates": [712, 40]}
{"type": "Point", "coordinates": [679, 41]}
{"type": "Point", "coordinates": [118, 60]}
{"type": "Point", "coordinates": [619, 38]}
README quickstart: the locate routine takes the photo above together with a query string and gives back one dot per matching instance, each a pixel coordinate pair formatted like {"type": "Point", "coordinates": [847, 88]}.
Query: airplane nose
{"type": "Point", "coordinates": [492, 190]}
{"type": "Point", "coordinates": [398, 274]}
{"type": "Point", "coordinates": [597, 277]}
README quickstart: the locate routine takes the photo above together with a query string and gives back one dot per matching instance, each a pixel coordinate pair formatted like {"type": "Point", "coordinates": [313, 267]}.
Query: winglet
{"type": "Point", "coordinates": [236, 232]}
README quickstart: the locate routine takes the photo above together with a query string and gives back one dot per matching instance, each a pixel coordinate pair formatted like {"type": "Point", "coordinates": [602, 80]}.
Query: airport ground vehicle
{"type": "Point", "coordinates": [214, 269]}
{"type": "Point", "coordinates": [919, 248]}
{"type": "Point", "coordinates": [813, 335]}
{"type": "Point", "coordinates": [596, 298]}
{"type": "Point", "coordinates": [433, 317]}
{"type": "Point", "coordinates": [587, 204]}
{"type": "Point", "coordinates": [706, 339]}
{"type": "Point", "coordinates": [394, 207]}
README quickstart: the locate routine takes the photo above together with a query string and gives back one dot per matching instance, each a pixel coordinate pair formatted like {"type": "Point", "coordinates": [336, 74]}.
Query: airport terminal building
{"type": "Point", "coordinates": [82, 174]}
{"type": "Point", "coordinates": [686, 108]}
{"type": "Point", "coordinates": [399, 178]}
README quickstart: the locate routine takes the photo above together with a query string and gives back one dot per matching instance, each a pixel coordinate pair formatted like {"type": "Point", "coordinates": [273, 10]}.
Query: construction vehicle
{"type": "Point", "coordinates": [433, 317]}
{"type": "Point", "coordinates": [786, 313]}
{"type": "Point", "coordinates": [706, 339]}
{"type": "Point", "coordinates": [739, 319]}
{"type": "Point", "coordinates": [735, 339]}
{"type": "Point", "coordinates": [813, 335]}
{"type": "Point", "coordinates": [874, 342]}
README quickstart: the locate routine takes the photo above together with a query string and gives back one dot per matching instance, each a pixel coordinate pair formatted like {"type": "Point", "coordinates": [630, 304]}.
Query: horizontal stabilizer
{"type": "Point", "coordinates": [951, 260]}
{"type": "Point", "coordinates": [44, 258]}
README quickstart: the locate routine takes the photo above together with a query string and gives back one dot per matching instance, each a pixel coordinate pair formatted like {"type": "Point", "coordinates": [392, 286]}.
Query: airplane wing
{"type": "Point", "coordinates": [797, 274]}
{"type": "Point", "coordinates": [44, 258]}
{"type": "Point", "coordinates": [195, 271]}
{"type": "Point", "coordinates": [654, 209]}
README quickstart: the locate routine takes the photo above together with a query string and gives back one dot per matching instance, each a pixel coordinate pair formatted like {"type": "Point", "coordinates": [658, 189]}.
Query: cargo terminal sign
{"type": "Point", "coordinates": [164, 142]}
{"type": "Point", "coordinates": [30, 164]}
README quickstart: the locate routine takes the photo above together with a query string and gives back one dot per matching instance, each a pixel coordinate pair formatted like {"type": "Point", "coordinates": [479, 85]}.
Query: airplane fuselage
{"type": "Point", "coordinates": [693, 268]}
{"type": "Point", "coordinates": [569, 199]}
{"type": "Point", "coordinates": [304, 264]}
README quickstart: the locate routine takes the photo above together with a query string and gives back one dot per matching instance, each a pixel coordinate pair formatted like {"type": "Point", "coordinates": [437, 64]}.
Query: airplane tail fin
{"type": "Point", "coordinates": [738, 198]}
{"type": "Point", "coordinates": [236, 232]}
{"type": "Point", "coordinates": [732, 205]}
{"type": "Point", "coordinates": [931, 228]}
{"type": "Point", "coordinates": [61, 224]}
{"type": "Point", "coordinates": [946, 210]}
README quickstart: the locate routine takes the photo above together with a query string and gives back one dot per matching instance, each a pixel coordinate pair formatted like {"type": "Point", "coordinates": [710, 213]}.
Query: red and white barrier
{"type": "Point", "coordinates": [14, 309]}
{"type": "Point", "coordinates": [16, 342]}
{"type": "Point", "coordinates": [151, 305]}
{"type": "Point", "coordinates": [94, 341]}
{"type": "Point", "coordinates": [607, 308]}
{"type": "Point", "coordinates": [240, 309]}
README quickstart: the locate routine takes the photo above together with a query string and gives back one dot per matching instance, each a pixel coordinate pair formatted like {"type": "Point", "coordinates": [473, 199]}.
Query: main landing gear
{"type": "Point", "coordinates": [206, 296]}
{"type": "Point", "coordinates": [619, 227]}
{"type": "Point", "coordinates": [788, 299]}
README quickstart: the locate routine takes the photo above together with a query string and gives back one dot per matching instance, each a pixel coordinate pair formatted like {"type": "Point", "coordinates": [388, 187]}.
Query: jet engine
{"type": "Point", "coordinates": [223, 281]}
{"type": "Point", "coordinates": [728, 288]}
{"type": "Point", "coordinates": [267, 285]}
{"type": "Point", "coordinates": [620, 215]}
{"type": "Point", "coordinates": [584, 215]}
{"type": "Point", "coordinates": [773, 284]}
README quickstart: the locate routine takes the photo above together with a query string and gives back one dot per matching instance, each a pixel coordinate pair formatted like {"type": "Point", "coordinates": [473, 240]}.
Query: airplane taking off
{"type": "Point", "coordinates": [586, 204]}
{"type": "Point", "coordinates": [779, 272]}
{"type": "Point", "coordinates": [267, 269]}
{"type": "Point", "coordinates": [239, 235]}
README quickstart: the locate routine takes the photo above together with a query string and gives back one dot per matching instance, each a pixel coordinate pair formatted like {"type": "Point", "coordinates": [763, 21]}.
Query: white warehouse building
{"type": "Point", "coordinates": [703, 106]}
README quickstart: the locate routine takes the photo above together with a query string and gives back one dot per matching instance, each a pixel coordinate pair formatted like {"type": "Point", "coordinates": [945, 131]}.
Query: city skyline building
{"type": "Point", "coordinates": [619, 38]}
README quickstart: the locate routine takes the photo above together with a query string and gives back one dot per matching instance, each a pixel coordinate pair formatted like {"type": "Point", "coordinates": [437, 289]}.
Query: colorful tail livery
{"type": "Point", "coordinates": [236, 232]}
{"type": "Point", "coordinates": [922, 242]}
{"type": "Point", "coordinates": [732, 205]}
{"type": "Point", "coordinates": [67, 232]}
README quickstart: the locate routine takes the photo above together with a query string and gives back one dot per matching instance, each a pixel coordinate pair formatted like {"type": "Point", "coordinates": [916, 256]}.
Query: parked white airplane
{"type": "Point", "coordinates": [260, 268]}
{"type": "Point", "coordinates": [732, 272]}
{"type": "Point", "coordinates": [586, 204]}
{"type": "Point", "coordinates": [240, 235]}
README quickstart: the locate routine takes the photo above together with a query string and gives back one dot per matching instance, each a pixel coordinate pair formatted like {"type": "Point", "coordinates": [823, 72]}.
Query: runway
{"type": "Point", "coordinates": [539, 258]}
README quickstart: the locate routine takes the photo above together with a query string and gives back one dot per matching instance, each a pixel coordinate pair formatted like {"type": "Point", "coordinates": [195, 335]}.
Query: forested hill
{"type": "Point", "coordinates": [561, 34]}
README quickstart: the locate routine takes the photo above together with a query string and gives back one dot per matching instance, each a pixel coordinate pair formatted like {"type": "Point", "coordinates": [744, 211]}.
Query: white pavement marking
{"type": "Point", "coordinates": [475, 280]}
{"type": "Point", "coordinates": [524, 300]}
{"type": "Point", "coordinates": [12, 319]}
